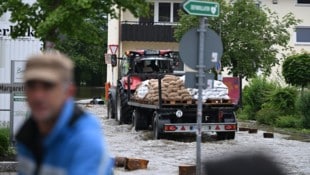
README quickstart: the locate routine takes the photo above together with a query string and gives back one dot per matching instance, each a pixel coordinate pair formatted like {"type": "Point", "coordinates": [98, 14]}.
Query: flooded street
{"type": "Point", "coordinates": [166, 155]}
{"type": "Point", "coordinates": [89, 92]}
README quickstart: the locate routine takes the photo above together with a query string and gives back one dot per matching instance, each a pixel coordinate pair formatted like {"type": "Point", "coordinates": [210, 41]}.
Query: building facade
{"type": "Point", "coordinates": [13, 54]}
{"type": "Point", "coordinates": [156, 32]}
{"type": "Point", "coordinates": [300, 34]}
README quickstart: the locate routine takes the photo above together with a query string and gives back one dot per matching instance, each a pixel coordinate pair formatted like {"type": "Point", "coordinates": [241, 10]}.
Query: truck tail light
{"type": "Point", "coordinates": [230, 127]}
{"type": "Point", "coordinates": [170, 128]}
{"type": "Point", "coordinates": [126, 80]}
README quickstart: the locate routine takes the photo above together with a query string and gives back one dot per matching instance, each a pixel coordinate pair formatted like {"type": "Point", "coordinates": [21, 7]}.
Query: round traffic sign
{"type": "Point", "coordinates": [213, 49]}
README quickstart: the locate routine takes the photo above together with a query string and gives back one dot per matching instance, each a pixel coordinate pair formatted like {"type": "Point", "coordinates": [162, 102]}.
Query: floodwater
{"type": "Point", "coordinates": [166, 155]}
{"type": "Point", "coordinates": [89, 92]}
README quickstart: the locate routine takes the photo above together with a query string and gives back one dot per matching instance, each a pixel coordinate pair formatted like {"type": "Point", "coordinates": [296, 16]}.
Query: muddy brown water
{"type": "Point", "coordinates": [89, 92]}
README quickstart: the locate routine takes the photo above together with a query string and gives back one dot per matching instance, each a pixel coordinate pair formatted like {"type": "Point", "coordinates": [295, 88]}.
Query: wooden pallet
{"type": "Point", "coordinates": [218, 101]}
{"type": "Point", "coordinates": [170, 102]}
{"type": "Point", "coordinates": [142, 101]}
{"type": "Point", "coordinates": [173, 102]}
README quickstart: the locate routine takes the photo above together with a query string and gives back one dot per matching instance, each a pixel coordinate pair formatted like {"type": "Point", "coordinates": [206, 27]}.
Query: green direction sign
{"type": "Point", "coordinates": [202, 8]}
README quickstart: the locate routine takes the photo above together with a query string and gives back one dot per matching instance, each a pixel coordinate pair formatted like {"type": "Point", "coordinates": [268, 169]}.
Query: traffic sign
{"type": "Point", "coordinates": [113, 48]}
{"type": "Point", "coordinates": [202, 8]}
{"type": "Point", "coordinates": [191, 80]}
{"type": "Point", "coordinates": [213, 48]}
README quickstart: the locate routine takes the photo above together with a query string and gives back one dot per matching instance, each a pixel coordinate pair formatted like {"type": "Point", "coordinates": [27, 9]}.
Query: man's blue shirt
{"type": "Point", "coordinates": [71, 148]}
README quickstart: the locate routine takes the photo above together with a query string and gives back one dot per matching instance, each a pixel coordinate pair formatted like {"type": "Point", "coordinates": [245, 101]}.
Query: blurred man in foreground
{"type": "Point", "coordinates": [245, 164]}
{"type": "Point", "coordinates": [59, 137]}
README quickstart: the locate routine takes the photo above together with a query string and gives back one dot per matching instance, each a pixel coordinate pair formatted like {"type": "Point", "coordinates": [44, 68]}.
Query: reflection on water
{"type": "Point", "coordinates": [89, 92]}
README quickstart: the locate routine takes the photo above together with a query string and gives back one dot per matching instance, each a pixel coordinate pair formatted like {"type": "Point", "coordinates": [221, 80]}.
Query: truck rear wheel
{"type": "Point", "coordinates": [139, 120]}
{"type": "Point", "coordinates": [155, 126]}
{"type": "Point", "coordinates": [110, 111]}
{"type": "Point", "coordinates": [231, 135]}
{"type": "Point", "coordinates": [124, 111]}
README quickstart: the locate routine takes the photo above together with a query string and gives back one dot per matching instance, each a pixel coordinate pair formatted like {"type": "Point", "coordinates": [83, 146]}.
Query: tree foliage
{"type": "Point", "coordinates": [52, 20]}
{"type": "Point", "coordinates": [255, 94]}
{"type": "Point", "coordinates": [252, 36]}
{"type": "Point", "coordinates": [4, 141]}
{"type": "Point", "coordinates": [303, 106]}
{"type": "Point", "coordinates": [296, 70]}
{"type": "Point", "coordinates": [77, 28]}
{"type": "Point", "coordinates": [90, 68]}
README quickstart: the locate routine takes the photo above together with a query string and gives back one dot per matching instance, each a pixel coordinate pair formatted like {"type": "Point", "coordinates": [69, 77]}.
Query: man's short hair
{"type": "Point", "coordinates": [50, 66]}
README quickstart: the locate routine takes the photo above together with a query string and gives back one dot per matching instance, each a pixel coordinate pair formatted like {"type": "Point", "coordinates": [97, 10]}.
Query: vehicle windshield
{"type": "Point", "coordinates": [154, 64]}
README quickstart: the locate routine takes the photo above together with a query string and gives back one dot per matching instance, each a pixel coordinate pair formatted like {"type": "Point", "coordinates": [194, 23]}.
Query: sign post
{"type": "Point", "coordinates": [203, 9]}
{"type": "Point", "coordinates": [201, 75]}
{"type": "Point", "coordinates": [18, 104]}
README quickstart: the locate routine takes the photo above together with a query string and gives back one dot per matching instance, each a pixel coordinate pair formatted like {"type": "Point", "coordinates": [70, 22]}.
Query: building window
{"type": "Point", "coordinates": [303, 1]}
{"type": "Point", "coordinates": [176, 8]}
{"type": "Point", "coordinates": [148, 19]}
{"type": "Point", "coordinates": [303, 34]}
{"type": "Point", "coordinates": [166, 12]}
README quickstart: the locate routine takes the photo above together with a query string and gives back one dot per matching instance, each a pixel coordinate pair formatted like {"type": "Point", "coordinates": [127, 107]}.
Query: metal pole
{"type": "Point", "coordinates": [12, 104]}
{"type": "Point", "coordinates": [112, 75]}
{"type": "Point", "coordinates": [201, 75]}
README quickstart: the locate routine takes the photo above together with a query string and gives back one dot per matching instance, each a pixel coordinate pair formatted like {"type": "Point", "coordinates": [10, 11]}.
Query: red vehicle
{"type": "Point", "coordinates": [165, 118]}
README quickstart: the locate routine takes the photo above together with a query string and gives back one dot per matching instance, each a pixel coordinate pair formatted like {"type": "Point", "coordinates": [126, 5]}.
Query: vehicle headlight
{"type": "Point", "coordinates": [179, 113]}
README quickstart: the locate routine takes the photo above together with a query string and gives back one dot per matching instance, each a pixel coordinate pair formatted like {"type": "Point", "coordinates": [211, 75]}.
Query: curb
{"type": "Point", "coordinates": [8, 166]}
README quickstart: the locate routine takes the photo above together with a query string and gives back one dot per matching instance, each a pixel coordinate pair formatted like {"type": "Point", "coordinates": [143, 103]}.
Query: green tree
{"type": "Point", "coordinates": [303, 106]}
{"type": "Point", "coordinates": [283, 99]}
{"type": "Point", "coordinates": [255, 94]}
{"type": "Point", "coordinates": [296, 70]}
{"type": "Point", "coordinates": [88, 56]}
{"type": "Point", "coordinates": [89, 60]}
{"type": "Point", "coordinates": [251, 36]}
{"type": "Point", "coordinates": [52, 20]}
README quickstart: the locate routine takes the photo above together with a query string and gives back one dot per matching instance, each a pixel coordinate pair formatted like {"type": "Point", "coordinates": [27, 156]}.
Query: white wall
{"type": "Point", "coordinates": [302, 12]}
{"type": "Point", "coordinates": [12, 49]}
{"type": "Point", "coordinates": [113, 38]}
{"type": "Point", "coordinates": [128, 16]}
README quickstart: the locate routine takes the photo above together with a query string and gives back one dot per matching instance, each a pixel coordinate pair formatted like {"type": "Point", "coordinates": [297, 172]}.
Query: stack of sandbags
{"type": "Point", "coordinates": [172, 90]}
{"type": "Point", "coordinates": [152, 95]}
{"type": "Point", "coordinates": [219, 91]}
{"type": "Point", "coordinates": [142, 90]}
